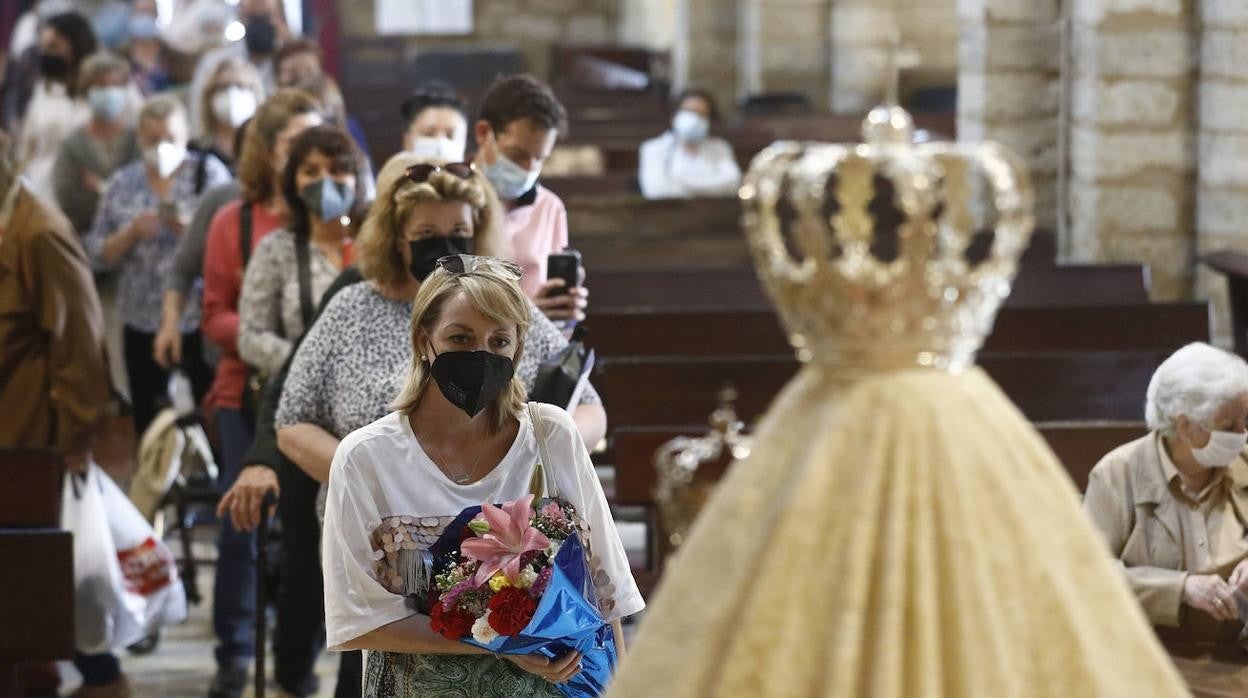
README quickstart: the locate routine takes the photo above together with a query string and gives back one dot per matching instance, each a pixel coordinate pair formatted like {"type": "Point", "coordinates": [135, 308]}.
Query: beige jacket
{"type": "Point", "coordinates": [1129, 500]}
{"type": "Point", "coordinates": [54, 380]}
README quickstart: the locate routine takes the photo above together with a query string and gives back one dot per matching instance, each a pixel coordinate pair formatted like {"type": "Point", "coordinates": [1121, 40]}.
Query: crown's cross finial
{"type": "Point", "coordinates": [900, 57]}
{"type": "Point", "coordinates": [889, 123]}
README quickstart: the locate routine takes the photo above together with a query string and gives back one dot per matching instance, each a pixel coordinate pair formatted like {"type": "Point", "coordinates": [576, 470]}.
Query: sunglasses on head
{"type": "Point", "coordinates": [423, 171]}
{"type": "Point", "coordinates": [460, 264]}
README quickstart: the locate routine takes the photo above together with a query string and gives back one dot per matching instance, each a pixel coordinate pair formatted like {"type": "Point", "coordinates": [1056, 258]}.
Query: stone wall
{"type": "Point", "coordinates": [793, 47]}
{"type": "Point", "coordinates": [862, 35]}
{"type": "Point", "coordinates": [1009, 86]}
{"type": "Point", "coordinates": [532, 26]}
{"type": "Point", "coordinates": [712, 61]}
{"type": "Point", "coordinates": [1132, 159]}
{"type": "Point", "coordinates": [1222, 143]}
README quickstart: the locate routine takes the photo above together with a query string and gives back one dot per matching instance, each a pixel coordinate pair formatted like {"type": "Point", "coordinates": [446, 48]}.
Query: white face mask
{"type": "Point", "coordinates": [1223, 448]}
{"type": "Point", "coordinates": [165, 158]}
{"type": "Point", "coordinates": [437, 148]}
{"type": "Point", "coordinates": [690, 127]}
{"type": "Point", "coordinates": [233, 105]}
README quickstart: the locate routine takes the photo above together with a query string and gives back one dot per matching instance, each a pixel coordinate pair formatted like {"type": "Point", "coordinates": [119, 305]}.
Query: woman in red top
{"type": "Point", "coordinates": [235, 231]}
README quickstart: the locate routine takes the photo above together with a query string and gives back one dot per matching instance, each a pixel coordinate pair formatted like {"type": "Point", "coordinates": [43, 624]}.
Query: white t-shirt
{"type": "Point", "coordinates": [382, 477]}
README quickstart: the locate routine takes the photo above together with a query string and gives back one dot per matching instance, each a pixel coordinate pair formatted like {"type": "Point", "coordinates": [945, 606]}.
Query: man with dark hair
{"type": "Point", "coordinates": [520, 121]}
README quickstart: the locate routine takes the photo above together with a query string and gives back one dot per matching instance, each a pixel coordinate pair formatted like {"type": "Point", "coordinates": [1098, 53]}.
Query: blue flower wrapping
{"type": "Point", "coordinates": [566, 619]}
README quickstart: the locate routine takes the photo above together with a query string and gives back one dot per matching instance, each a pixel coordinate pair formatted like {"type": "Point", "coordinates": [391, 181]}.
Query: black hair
{"type": "Point", "coordinates": [428, 95]}
{"type": "Point", "coordinates": [523, 97]}
{"type": "Point", "coordinates": [82, 42]}
{"type": "Point", "coordinates": [337, 145]}
{"type": "Point", "coordinates": [701, 93]}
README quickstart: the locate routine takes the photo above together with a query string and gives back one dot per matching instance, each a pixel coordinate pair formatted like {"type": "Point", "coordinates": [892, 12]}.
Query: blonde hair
{"type": "Point", "coordinates": [382, 232]}
{"type": "Point", "coordinates": [257, 176]}
{"type": "Point", "coordinates": [250, 77]}
{"type": "Point", "coordinates": [494, 292]}
{"type": "Point", "coordinates": [99, 64]}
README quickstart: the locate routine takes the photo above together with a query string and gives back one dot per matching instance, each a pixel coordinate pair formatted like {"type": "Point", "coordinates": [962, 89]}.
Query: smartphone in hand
{"type": "Point", "coordinates": [564, 265]}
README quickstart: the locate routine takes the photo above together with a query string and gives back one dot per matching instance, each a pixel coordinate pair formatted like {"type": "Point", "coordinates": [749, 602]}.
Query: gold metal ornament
{"type": "Point", "coordinates": [679, 493]}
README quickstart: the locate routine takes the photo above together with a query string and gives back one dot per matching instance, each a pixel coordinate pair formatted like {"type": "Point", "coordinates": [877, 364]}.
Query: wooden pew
{"type": "Point", "coordinates": [646, 332]}
{"type": "Point", "coordinates": [1106, 385]}
{"type": "Point", "coordinates": [1234, 266]}
{"type": "Point", "coordinates": [615, 290]}
{"type": "Point", "coordinates": [1077, 445]}
{"type": "Point", "coordinates": [619, 135]}
{"type": "Point", "coordinates": [36, 572]}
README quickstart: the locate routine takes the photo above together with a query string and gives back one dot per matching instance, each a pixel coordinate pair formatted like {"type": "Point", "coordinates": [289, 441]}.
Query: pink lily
{"type": "Point", "coordinates": [509, 538]}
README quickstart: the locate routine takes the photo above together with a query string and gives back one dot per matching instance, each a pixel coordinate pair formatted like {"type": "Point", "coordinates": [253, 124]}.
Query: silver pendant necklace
{"type": "Point", "coordinates": [464, 477]}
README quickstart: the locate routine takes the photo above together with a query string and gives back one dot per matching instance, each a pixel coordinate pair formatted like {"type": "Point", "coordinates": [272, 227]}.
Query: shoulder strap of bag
{"type": "Point", "coordinates": [244, 231]}
{"type": "Point", "coordinates": [541, 484]}
{"type": "Point", "coordinates": [304, 263]}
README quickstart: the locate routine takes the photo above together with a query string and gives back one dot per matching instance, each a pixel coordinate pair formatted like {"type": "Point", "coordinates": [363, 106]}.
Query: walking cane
{"type": "Point", "coordinates": [262, 624]}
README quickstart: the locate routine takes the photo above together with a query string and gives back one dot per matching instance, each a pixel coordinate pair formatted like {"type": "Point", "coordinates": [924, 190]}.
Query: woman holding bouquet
{"type": "Point", "coordinates": [461, 435]}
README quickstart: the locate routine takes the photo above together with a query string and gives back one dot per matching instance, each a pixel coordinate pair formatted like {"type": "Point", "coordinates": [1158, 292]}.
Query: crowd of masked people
{"type": "Point", "coordinates": [198, 218]}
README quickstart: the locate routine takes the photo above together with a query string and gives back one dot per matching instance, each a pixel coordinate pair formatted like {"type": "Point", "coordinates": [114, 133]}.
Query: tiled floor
{"type": "Point", "coordinates": [182, 665]}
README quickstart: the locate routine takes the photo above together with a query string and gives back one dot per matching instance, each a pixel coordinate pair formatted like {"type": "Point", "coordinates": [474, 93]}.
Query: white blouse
{"type": "Point", "coordinates": [381, 477]}
{"type": "Point", "coordinates": [668, 170]}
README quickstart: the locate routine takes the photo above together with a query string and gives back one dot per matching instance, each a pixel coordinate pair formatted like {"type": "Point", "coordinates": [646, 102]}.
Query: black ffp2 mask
{"type": "Point", "coordinates": [427, 251]}
{"type": "Point", "coordinates": [471, 380]}
{"type": "Point", "coordinates": [261, 36]}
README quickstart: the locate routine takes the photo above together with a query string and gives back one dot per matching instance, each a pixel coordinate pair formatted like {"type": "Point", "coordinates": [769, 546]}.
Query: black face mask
{"type": "Point", "coordinates": [471, 380]}
{"type": "Point", "coordinates": [52, 66]}
{"type": "Point", "coordinates": [427, 251]}
{"type": "Point", "coordinates": [261, 36]}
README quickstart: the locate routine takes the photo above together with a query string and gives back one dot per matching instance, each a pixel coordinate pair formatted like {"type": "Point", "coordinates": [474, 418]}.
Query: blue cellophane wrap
{"type": "Point", "coordinates": [566, 620]}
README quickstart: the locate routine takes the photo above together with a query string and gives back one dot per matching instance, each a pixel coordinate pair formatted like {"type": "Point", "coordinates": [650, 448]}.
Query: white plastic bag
{"type": "Point", "coordinates": [101, 619]}
{"type": "Point", "coordinates": [125, 580]}
{"type": "Point", "coordinates": [153, 591]}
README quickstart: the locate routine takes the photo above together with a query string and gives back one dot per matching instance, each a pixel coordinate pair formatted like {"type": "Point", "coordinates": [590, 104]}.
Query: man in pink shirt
{"type": "Point", "coordinates": [519, 123]}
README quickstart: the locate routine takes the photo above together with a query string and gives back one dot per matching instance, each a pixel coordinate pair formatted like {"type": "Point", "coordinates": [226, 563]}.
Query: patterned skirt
{"type": "Point", "coordinates": [393, 675]}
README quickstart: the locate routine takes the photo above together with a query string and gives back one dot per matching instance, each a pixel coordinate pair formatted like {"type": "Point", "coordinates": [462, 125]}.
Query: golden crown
{"type": "Point", "coordinates": [888, 253]}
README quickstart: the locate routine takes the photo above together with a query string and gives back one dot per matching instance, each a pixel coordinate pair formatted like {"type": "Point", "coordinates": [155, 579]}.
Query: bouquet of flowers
{"type": "Point", "coordinates": [515, 581]}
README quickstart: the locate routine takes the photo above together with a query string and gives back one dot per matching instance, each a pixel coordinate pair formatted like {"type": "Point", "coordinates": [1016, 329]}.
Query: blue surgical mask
{"type": "Point", "coordinates": [510, 180]}
{"type": "Point", "coordinates": [328, 199]}
{"type": "Point", "coordinates": [107, 103]}
{"type": "Point", "coordinates": [690, 127]}
{"type": "Point", "coordinates": [142, 26]}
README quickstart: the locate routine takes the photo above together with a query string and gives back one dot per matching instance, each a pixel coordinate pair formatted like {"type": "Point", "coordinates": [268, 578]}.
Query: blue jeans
{"type": "Point", "coordinates": [97, 669]}
{"type": "Point", "coordinates": [234, 591]}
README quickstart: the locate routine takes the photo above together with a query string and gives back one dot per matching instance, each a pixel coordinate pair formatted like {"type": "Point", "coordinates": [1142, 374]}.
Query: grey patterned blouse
{"type": "Point", "coordinates": [143, 269]}
{"type": "Point", "coordinates": [351, 365]}
{"type": "Point", "coordinates": [269, 316]}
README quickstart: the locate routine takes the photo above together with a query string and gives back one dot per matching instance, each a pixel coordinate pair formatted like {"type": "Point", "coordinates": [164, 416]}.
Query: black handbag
{"type": "Point", "coordinates": [557, 380]}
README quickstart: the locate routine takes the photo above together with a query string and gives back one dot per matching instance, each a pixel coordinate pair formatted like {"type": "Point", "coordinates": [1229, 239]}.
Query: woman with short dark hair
{"type": "Point", "coordinates": [319, 185]}
{"type": "Point", "coordinates": [434, 125]}
{"type": "Point", "coordinates": [686, 161]}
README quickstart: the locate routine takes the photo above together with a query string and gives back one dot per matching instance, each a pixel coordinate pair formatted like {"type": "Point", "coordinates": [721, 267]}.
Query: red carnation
{"type": "Point", "coordinates": [452, 624]}
{"type": "Point", "coordinates": [510, 610]}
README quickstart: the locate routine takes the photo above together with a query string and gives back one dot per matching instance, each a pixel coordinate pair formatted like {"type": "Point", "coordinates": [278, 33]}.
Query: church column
{"type": "Point", "coordinates": [705, 53]}
{"type": "Point", "coordinates": [1131, 157]}
{"type": "Point", "coordinates": [1222, 139]}
{"type": "Point", "coordinates": [863, 34]}
{"type": "Point", "coordinates": [1009, 85]}
{"type": "Point", "coordinates": [793, 45]}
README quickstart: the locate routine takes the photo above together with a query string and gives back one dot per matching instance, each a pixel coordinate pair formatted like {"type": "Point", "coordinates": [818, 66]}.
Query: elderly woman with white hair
{"type": "Point", "coordinates": [1173, 504]}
